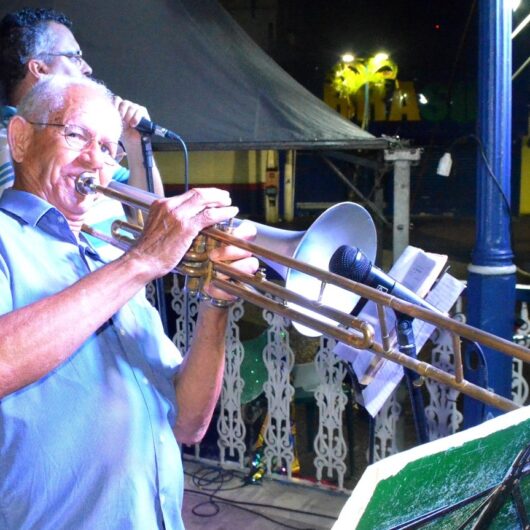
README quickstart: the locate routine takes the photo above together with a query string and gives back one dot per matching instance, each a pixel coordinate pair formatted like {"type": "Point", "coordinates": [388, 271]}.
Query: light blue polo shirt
{"type": "Point", "coordinates": [90, 445]}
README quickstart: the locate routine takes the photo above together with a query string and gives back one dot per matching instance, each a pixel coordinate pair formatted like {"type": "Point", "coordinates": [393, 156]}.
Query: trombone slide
{"type": "Point", "coordinates": [325, 318]}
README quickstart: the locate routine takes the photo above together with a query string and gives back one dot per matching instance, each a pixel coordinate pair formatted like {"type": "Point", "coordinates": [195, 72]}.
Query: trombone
{"type": "Point", "coordinates": [312, 313]}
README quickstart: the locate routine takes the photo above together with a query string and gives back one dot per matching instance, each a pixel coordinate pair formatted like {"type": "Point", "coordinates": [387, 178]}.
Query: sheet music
{"type": "Point", "coordinates": [417, 270]}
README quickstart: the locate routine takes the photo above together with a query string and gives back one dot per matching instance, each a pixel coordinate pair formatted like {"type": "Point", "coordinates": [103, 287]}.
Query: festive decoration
{"type": "Point", "coordinates": [259, 464]}
{"type": "Point", "coordinates": [352, 73]}
{"type": "Point", "coordinates": [253, 369]}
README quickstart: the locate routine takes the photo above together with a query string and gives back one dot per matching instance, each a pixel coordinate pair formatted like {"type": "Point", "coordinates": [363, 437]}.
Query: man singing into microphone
{"type": "Point", "coordinates": [94, 398]}
{"type": "Point", "coordinates": [38, 42]}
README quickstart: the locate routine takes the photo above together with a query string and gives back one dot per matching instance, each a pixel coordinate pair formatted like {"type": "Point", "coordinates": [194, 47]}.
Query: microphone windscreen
{"type": "Point", "coordinates": [145, 126]}
{"type": "Point", "coordinates": [350, 263]}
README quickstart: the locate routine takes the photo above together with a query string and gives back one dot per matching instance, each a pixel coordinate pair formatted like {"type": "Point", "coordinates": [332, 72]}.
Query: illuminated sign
{"type": "Point", "coordinates": [402, 103]}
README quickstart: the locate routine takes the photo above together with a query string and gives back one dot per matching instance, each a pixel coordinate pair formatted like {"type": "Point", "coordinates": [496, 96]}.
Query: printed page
{"type": "Point", "coordinates": [418, 271]}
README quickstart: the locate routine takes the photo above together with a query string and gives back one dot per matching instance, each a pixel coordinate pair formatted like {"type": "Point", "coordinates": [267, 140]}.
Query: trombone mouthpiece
{"type": "Point", "coordinates": [84, 184]}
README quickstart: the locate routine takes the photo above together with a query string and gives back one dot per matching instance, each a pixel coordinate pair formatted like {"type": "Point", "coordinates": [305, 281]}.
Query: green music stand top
{"type": "Point", "coordinates": [458, 472]}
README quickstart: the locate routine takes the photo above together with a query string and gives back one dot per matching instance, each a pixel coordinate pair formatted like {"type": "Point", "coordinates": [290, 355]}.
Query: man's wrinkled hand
{"type": "Point", "coordinates": [239, 259]}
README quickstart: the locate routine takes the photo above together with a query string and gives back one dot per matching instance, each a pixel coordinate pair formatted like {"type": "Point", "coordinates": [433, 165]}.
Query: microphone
{"type": "Point", "coordinates": [148, 127]}
{"type": "Point", "coordinates": [351, 263]}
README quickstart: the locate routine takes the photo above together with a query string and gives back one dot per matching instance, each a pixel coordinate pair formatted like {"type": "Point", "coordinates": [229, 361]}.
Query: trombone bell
{"type": "Point", "coordinates": [345, 223]}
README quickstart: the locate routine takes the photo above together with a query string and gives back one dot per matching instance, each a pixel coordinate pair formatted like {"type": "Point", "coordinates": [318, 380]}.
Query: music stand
{"type": "Point", "coordinates": [479, 476]}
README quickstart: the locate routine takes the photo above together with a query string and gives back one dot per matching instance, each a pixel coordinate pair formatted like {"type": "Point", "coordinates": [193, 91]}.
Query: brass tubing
{"type": "Point", "coordinates": [347, 337]}
{"type": "Point", "coordinates": [104, 237]}
{"type": "Point", "coordinates": [457, 351]}
{"type": "Point", "coordinates": [358, 334]}
{"type": "Point", "coordinates": [430, 371]}
{"type": "Point", "coordinates": [118, 227]}
{"type": "Point", "coordinates": [385, 336]}
{"type": "Point", "coordinates": [135, 197]}
{"type": "Point", "coordinates": [133, 229]}
{"type": "Point", "coordinates": [362, 342]}
{"type": "Point", "coordinates": [338, 333]}
{"type": "Point", "coordinates": [115, 194]}
{"type": "Point", "coordinates": [437, 319]}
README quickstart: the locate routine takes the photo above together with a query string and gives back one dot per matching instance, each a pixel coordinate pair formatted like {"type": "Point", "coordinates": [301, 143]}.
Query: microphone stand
{"type": "Point", "coordinates": [407, 345]}
{"type": "Point", "coordinates": [147, 152]}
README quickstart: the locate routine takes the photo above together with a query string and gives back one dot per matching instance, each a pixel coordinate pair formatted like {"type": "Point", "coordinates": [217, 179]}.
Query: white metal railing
{"type": "Point", "coordinates": [330, 444]}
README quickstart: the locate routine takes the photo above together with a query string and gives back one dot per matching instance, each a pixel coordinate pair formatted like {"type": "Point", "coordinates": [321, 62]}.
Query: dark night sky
{"type": "Point", "coordinates": [431, 41]}
{"type": "Point", "coordinates": [422, 39]}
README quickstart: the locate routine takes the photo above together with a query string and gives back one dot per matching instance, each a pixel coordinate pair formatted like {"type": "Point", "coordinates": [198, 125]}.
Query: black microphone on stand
{"type": "Point", "coordinates": [148, 127]}
{"type": "Point", "coordinates": [351, 263]}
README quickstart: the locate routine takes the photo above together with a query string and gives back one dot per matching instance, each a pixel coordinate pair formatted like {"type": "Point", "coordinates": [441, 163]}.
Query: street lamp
{"type": "Point", "coordinates": [351, 73]}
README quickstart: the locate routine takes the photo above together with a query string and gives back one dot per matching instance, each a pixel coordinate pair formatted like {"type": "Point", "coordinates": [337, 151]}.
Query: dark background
{"type": "Point", "coordinates": [435, 45]}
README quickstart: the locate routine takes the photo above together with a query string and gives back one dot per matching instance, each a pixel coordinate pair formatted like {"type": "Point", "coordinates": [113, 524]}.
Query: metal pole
{"type": "Point", "coordinates": [491, 279]}
{"type": "Point", "coordinates": [403, 158]}
{"type": "Point", "coordinates": [289, 173]}
{"type": "Point", "coordinates": [147, 152]}
{"type": "Point", "coordinates": [272, 187]}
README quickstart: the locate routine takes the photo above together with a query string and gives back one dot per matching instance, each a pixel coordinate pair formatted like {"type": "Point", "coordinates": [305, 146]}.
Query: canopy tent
{"type": "Point", "coordinates": [200, 75]}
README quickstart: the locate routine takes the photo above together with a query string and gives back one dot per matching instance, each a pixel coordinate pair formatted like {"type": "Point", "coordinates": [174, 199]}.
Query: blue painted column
{"type": "Point", "coordinates": [491, 279]}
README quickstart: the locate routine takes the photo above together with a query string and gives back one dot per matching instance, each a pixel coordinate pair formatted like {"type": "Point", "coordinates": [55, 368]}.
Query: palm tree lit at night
{"type": "Point", "coordinates": [352, 73]}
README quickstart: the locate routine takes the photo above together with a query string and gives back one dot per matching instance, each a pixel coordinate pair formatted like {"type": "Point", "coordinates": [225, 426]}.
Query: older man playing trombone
{"type": "Point", "coordinates": [94, 397]}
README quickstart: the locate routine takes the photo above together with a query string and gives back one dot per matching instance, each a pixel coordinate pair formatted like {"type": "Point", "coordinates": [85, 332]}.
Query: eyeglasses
{"type": "Point", "coordinates": [76, 57]}
{"type": "Point", "coordinates": [79, 138]}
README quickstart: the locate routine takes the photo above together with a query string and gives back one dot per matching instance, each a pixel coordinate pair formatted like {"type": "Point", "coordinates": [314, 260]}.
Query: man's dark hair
{"type": "Point", "coordinates": [23, 36]}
